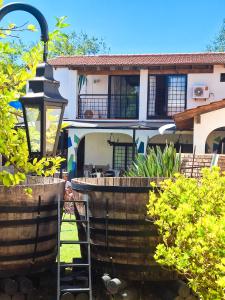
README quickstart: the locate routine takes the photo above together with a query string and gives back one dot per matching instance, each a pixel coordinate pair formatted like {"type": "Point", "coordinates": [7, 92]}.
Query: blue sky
{"type": "Point", "coordinates": [136, 26]}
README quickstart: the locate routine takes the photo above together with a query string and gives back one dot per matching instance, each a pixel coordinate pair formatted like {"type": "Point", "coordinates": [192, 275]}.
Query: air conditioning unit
{"type": "Point", "coordinates": [200, 92]}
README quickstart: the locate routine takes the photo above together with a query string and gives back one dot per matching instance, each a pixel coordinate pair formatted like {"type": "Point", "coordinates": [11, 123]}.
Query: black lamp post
{"type": "Point", "coordinates": [43, 106]}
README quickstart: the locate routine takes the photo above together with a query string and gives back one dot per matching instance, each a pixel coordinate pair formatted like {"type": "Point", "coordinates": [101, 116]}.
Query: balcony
{"type": "Point", "coordinates": [105, 106]}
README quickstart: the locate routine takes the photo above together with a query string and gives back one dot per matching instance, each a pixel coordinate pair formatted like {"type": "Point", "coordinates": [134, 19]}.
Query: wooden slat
{"type": "Point", "coordinates": [156, 69]}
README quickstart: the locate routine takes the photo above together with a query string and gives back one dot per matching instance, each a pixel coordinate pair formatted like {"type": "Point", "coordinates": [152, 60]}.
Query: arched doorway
{"type": "Point", "coordinates": [103, 151]}
{"type": "Point", "coordinates": [215, 142]}
{"type": "Point", "coordinates": [182, 141]}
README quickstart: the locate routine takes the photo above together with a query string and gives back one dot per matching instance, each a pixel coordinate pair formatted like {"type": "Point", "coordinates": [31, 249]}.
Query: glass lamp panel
{"type": "Point", "coordinates": [52, 123]}
{"type": "Point", "coordinates": [34, 127]}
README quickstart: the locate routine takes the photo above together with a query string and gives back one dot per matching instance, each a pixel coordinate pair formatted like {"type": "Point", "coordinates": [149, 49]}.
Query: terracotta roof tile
{"type": "Point", "coordinates": [184, 120]}
{"type": "Point", "coordinates": [211, 58]}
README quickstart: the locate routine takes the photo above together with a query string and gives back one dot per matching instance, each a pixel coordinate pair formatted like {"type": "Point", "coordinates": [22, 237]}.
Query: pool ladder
{"type": "Point", "coordinates": [74, 289]}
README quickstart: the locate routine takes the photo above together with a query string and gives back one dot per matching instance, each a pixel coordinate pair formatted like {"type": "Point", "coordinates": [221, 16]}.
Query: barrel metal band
{"type": "Point", "coordinates": [138, 233]}
{"type": "Point", "coordinates": [28, 255]}
{"type": "Point", "coordinates": [81, 187]}
{"type": "Point", "coordinates": [125, 267]}
{"type": "Point", "coordinates": [12, 223]}
{"type": "Point", "coordinates": [27, 209]}
{"type": "Point", "coordinates": [104, 248]}
{"type": "Point", "coordinates": [10, 243]}
{"type": "Point", "coordinates": [118, 221]}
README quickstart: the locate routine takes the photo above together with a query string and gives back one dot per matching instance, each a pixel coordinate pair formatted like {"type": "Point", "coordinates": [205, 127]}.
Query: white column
{"type": "Point", "coordinates": [72, 108]}
{"type": "Point", "coordinates": [199, 138]}
{"type": "Point", "coordinates": [143, 97]}
{"type": "Point", "coordinates": [68, 89]}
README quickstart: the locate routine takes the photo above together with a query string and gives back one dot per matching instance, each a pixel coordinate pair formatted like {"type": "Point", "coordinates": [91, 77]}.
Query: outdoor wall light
{"type": "Point", "coordinates": [43, 106]}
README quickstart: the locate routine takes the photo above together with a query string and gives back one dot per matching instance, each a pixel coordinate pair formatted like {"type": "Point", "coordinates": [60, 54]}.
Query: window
{"type": "Point", "coordinates": [123, 96]}
{"type": "Point", "coordinates": [176, 94]}
{"type": "Point", "coordinates": [122, 156]}
{"type": "Point", "coordinates": [222, 77]}
{"type": "Point", "coordinates": [151, 95]}
{"type": "Point", "coordinates": [166, 95]}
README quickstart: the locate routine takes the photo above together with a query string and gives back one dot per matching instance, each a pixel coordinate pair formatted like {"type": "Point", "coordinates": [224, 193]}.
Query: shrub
{"type": "Point", "coordinates": [190, 215]}
{"type": "Point", "coordinates": [156, 163]}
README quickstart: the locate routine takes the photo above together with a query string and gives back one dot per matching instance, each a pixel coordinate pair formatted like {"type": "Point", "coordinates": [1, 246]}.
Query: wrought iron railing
{"type": "Point", "coordinates": [106, 106]}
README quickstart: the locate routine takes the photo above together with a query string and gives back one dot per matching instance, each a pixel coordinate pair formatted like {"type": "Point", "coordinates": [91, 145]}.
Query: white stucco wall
{"type": "Point", "coordinates": [212, 80]}
{"type": "Point", "coordinates": [209, 122]}
{"type": "Point", "coordinates": [98, 84]}
{"type": "Point", "coordinates": [98, 151]}
{"type": "Point", "coordinates": [68, 89]}
{"type": "Point", "coordinates": [95, 84]}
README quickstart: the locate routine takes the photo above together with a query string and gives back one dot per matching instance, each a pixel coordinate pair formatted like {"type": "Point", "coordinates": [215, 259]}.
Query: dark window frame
{"type": "Point", "coordinates": [109, 96]}
{"type": "Point", "coordinates": [149, 117]}
{"type": "Point", "coordinates": [126, 146]}
{"type": "Point", "coordinates": [222, 77]}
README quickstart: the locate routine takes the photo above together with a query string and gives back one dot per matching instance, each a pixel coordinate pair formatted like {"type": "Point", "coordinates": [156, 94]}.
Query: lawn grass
{"type": "Point", "coordinates": [69, 232]}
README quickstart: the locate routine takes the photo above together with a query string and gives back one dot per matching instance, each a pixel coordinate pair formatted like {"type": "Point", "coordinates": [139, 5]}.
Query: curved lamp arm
{"type": "Point", "coordinates": [37, 14]}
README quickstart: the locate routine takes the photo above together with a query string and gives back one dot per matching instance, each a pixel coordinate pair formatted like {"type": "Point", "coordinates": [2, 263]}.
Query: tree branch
{"type": "Point", "coordinates": [13, 164]}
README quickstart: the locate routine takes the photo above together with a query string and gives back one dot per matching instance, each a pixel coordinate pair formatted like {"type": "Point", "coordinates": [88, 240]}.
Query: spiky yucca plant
{"type": "Point", "coordinates": [156, 163]}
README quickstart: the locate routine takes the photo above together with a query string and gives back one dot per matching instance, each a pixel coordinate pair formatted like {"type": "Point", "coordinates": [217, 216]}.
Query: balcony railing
{"type": "Point", "coordinates": [105, 106]}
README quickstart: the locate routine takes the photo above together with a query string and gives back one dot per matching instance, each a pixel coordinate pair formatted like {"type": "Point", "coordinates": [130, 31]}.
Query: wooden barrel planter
{"type": "Point", "coordinates": [28, 225]}
{"type": "Point", "coordinates": [123, 240]}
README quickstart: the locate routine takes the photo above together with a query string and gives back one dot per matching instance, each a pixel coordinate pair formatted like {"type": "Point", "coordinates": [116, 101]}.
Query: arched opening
{"type": "Point", "coordinates": [215, 142]}
{"type": "Point", "coordinates": [100, 152]}
{"type": "Point", "coordinates": [183, 141]}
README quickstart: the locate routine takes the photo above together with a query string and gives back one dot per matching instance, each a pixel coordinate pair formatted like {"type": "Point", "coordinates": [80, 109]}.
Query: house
{"type": "Point", "coordinates": [117, 103]}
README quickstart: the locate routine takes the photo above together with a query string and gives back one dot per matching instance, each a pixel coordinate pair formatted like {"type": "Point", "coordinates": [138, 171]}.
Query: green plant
{"type": "Point", "coordinates": [156, 163]}
{"type": "Point", "coordinates": [190, 216]}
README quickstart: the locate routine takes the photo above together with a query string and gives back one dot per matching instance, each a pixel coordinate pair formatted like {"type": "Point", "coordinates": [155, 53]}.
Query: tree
{"type": "Point", "coordinates": [60, 44]}
{"type": "Point", "coordinates": [218, 44]}
{"type": "Point", "coordinates": [76, 44]}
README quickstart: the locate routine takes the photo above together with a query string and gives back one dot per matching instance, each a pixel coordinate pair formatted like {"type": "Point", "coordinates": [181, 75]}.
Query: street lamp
{"type": "Point", "coordinates": [43, 106]}
{"type": "Point", "coordinates": [43, 109]}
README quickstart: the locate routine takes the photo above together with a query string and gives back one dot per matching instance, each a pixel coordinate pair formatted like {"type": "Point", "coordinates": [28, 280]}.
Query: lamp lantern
{"type": "Point", "coordinates": [43, 109]}
{"type": "Point", "coordinates": [43, 106]}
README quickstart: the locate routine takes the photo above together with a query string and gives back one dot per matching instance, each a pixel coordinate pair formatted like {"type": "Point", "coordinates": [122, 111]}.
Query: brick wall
{"type": "Point", "coordinates": [192, 165]}
{"type": "Point", "coordinates": [221, 162]}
